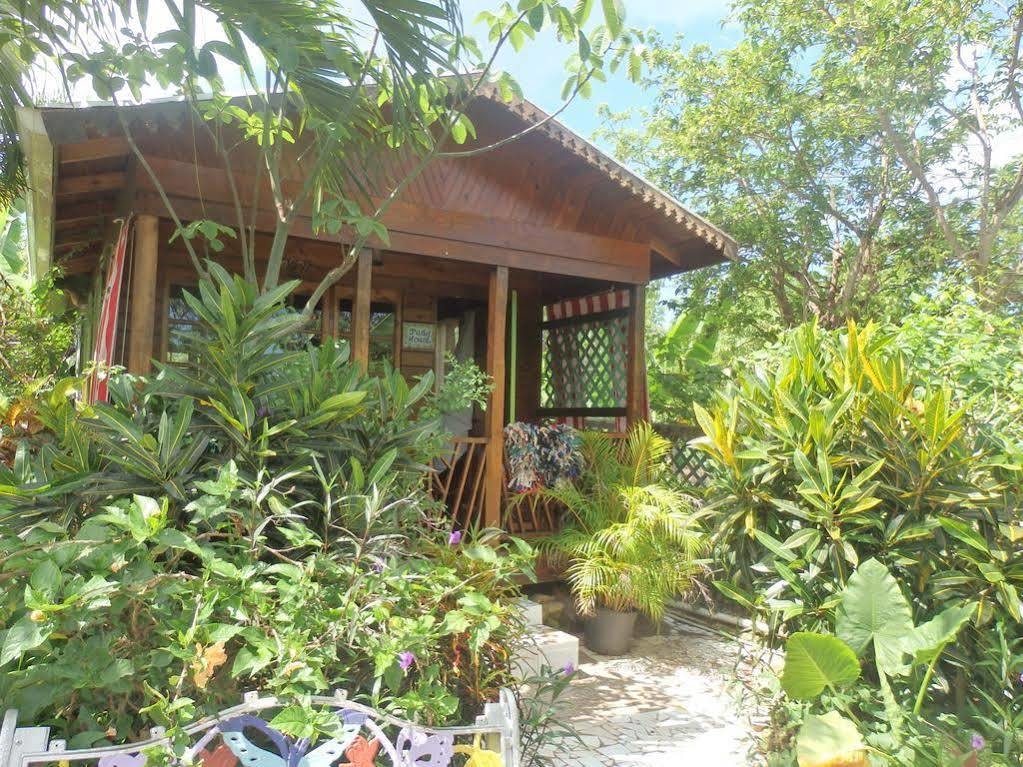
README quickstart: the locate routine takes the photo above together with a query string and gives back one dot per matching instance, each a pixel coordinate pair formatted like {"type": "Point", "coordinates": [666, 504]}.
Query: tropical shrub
{"type": "Point", "coordinates": [954, 336]}
{"type": "Point", "coordinates": [251, 518]}
{"type": "Point", "coordinates": [883, 712]}
{"type": "Point", "coordinates": [684, 367]}
{"type": "Point", "coordinates": [630, 540]}
{"type": "Point", "coordinates": [838, 454]}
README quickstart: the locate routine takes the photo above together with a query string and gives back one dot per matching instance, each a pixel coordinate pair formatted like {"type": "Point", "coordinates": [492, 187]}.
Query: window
{"type": "Point", "coordinates": [184, 323]}
{"type": "Point", "coordinates": [383, 330]}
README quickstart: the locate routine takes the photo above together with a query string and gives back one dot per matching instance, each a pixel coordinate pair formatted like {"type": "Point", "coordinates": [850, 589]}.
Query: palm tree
{"type": "Point", "coordinates": [629, 540]}
{"type": "Point", "coordinates": [316, 47]}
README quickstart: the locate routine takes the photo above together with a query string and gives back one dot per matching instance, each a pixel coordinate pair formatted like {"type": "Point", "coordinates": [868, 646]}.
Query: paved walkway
{"type": "Point", "coordinates": [664, 704]}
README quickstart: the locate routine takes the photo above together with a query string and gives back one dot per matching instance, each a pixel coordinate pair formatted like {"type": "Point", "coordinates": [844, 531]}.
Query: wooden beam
{"type": "Point", "coordinates": [635, 405]}
{"type": "Point", "coordinates": [143, 295]}
{"type": "Point", "coordinates": [497, 317]}
{"type": "Point", "coordinates": [580, 251]}
{"type": "Point", "coordinates": [94, 149]}
{"type": "Point", "coordinates": [96, 182]}
{"type": "Point", "coordinates": [456, 250]}
{"type": "Point", "coordinates": [361, 309]}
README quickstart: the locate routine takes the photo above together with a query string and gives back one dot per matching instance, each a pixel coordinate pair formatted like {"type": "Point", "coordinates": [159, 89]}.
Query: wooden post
{"type": "Point", "coordinates": [143, 295]}
{"type": "Point", "coordinates": [635, 409]}
{"type": "Point", "coordinates": [361, 309]}
{"type": "Point", "coordinates": [528, 362]}
{"type": "Point", "coordinates": [497, 309]}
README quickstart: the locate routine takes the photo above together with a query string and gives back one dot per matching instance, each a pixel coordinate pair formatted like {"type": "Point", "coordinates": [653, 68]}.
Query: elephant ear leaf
{"type": "Point", "coordinates": [815, 662]}
{"type": "Point", "coordinates": [830, 740]}
{"type": "Point", "coordinates": [929, 639]}
{"type": "Point", "coordinates": [873, 610]}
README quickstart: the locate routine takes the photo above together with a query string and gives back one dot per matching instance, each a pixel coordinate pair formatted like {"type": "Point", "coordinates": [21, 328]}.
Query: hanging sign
{"type": "Point", "coordinates": [418, 335]}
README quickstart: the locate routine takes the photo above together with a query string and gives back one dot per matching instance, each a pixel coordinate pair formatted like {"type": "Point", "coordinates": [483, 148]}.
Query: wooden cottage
{"type": "Point", "coordinates": [531, 259]}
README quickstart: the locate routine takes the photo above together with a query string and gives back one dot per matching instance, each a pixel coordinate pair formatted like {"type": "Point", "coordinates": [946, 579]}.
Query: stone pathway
{"type": "Point", "coordinates": [664, 704]}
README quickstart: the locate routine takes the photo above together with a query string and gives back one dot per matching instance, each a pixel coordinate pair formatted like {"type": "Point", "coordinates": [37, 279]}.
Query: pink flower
{"type": "Point", "coordinates": [405, 660]}
{"type": "Point", "coordinates": [977, 742]}
{"type": "Point", "coordinates": [455, 538]}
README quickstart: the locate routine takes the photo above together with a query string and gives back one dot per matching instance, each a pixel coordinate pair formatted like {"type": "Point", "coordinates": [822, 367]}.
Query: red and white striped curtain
{"type": "Point", "coordinates": [106, 333]}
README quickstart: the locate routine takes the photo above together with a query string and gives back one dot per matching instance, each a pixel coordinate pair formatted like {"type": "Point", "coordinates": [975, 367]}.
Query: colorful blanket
{"type": "Point", "coordinates": [540, 455]}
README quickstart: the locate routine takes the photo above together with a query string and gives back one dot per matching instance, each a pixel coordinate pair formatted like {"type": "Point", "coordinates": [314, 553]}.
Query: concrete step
{"type": "Point", "coordinates": [545, 646]}
{"type": "Point", "coordinates": [532, 612]}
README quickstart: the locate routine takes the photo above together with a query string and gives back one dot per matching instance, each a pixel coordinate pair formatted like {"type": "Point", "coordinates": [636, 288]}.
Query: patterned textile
{"type": "Point", "coordinates": [103, 351]}
{"type": "Point", "coordinates": [540, 455]}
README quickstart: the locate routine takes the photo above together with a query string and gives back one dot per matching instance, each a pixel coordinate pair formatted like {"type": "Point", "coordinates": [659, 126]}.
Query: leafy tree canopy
{"type": "Point", "coordinates": [860, 153]}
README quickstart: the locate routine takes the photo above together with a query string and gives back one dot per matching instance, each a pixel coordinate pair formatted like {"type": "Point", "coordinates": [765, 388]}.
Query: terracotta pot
{"type": "Point", "coordinates": [609, 632]}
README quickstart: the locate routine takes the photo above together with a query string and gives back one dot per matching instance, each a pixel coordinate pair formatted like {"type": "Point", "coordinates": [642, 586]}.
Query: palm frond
{"type": "Point", "coordinates": [631, 541]}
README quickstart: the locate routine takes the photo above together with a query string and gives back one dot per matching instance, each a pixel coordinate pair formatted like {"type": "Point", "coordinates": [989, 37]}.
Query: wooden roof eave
{"type": "Point", "coordinates": [651, 195]}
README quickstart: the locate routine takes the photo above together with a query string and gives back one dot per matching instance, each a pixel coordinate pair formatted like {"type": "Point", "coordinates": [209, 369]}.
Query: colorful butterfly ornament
{"type": "Point", "coordinates": [418, 749]}
{"type": "Point", "coordinates": [289, 753]}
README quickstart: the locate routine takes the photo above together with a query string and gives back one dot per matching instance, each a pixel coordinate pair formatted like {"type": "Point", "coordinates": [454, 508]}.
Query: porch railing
{"type": "Point", "coordinates": [458, 481]}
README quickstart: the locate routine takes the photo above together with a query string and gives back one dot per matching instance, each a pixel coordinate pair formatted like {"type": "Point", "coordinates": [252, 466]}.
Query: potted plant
{"type": "Point", "coordinates": [628, 540]}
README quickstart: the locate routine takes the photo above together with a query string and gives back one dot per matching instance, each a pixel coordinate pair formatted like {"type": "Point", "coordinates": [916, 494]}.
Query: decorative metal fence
{"type": "Point", "coordinates": [238, 738]}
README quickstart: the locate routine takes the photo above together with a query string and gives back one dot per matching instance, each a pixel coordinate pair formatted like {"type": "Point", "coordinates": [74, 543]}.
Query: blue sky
{"type": "Point", "coordinates": [539, 67]}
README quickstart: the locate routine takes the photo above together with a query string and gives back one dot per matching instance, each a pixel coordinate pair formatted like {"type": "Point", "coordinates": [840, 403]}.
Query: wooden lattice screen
{"type": "Point", "coordinates": [585, 364]}
{"type": "Point", "coordinates": [692, 466]}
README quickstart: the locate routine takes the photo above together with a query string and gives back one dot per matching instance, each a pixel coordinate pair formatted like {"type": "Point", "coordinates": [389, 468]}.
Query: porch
{"type": "Point", "coordinates": [419, 313]}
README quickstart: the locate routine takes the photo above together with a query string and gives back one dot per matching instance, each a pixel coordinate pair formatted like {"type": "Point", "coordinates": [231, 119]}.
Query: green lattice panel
{"type": "Point", "coordinates": [585, 364]}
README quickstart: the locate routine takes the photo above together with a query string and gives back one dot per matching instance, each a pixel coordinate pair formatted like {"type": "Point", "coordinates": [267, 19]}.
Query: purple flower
{"type": "Point", "coordinates": [1021, 677]}
{"type": "Point", "coordinates": [455, 538]}
{"type": "Point", "coordinates": [378, 567]}
{"type": "Point", "coordinates": [568, 669]}
{"type": "Point", "coordinates": [977, 742]}
{"type": "Point", "coordinates": [405, 660]}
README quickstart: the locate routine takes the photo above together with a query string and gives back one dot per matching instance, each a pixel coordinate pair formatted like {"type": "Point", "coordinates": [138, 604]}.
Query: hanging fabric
{"type": "Point", "coordinates": [540, 455]}
{"type": "Point", "coordinates": [106, 333]}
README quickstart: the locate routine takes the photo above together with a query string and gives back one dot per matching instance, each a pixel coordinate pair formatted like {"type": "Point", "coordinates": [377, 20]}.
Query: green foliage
{"type": "Point", "coordinates": [861, 157]}
{"type": "Point", "coordinates": [464, 386]}
{"type": "Point", "coordinates": [630, 541]}
{"type": "Point", "coordinates": [133, 615]}
{"type": "Point", "coordinates": [955, 337]}
{"type": "Point", "coordinates": [36, 332]}
{"type": "Point", "coordinates": [251, 518]}
{"type": "Point", "coordinates": [872, 611]}
{"type": "Point", "coordinates": [850, 495]}
{"type": "Point", "coordinates": [683, 367]}
{"type": "Point", "coordinates": [839, 453]}
{"type": "Point", "coordinates": [815, 662]}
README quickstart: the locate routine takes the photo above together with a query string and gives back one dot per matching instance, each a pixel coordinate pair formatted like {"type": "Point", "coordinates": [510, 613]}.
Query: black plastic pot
{"type": "Point", "coordinates": [609, 632]}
